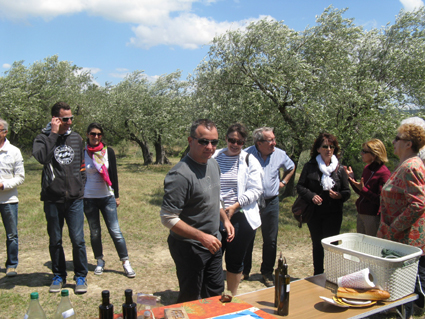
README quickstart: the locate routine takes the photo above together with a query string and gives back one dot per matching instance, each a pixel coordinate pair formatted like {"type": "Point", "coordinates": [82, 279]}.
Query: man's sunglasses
{"type": "Point", "coordinates": [235, 141]}
{"type": "Point", "coordinates": [66, 119]}
{"type": "Point", "coordinates": [205, 142]}
{"type": "Point", "coordinates": [95, 134]}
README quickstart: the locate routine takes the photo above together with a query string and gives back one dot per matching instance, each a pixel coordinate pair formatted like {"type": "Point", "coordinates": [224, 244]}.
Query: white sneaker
{"type": "Point", "coordinates": [99, 268]}
{"type": "Point", "coordinates": [129, 272]}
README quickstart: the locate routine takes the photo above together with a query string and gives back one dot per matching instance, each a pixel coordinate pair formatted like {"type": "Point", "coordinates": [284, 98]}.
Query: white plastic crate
{"type": "Point", "coordinates": [353, 252]}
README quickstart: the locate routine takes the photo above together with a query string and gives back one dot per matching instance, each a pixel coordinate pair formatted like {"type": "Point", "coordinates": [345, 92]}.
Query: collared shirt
{"type": "Point", "coordinates": [276, 160]}
{"type": "Point", "coordinates": [12, 173]}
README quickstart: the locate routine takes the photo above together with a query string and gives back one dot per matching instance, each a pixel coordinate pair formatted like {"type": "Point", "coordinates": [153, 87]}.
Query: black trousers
{"type": "Point", "coordinates": [199, 272]}
{"type": "Point", "coordinates": [322, 225]}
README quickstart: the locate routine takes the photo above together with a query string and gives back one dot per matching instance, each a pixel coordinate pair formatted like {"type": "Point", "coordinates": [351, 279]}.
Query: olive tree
{"type": "Point", "coordinates": [27, 94]}
{"type": "Point", "coordinates": [334, 76]}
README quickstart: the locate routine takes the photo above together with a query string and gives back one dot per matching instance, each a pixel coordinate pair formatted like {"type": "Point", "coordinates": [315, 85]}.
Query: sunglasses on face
{"type": "Point", "coordinates": [398, 138]}
{"type": "Point", "coordinates": [328, 146]}
{"type": "Point", "coordinates": [269, 141]}
{"type": "Point", "coordinates": [205, 142]}
{"type": "Point", "coordinates": [235, 141]}
{"type": "Point", "coordinates": [95, 134]}
{"type": "Point", "coordinates": [365, 152]}
{"type": "Point", "coordinates": [66, 119]}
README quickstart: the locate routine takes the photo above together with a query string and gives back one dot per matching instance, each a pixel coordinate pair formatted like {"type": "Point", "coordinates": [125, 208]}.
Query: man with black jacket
{"type": "Point", "coordinates": [61, 151]}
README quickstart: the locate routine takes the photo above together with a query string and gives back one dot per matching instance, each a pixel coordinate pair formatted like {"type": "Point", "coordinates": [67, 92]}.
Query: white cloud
{"type": "Point", "coordinates": [411, 5]}
{"type": "Point", "coordinates": [91, 70]}
{"type": "Point", "coordinates": [119, 75]}
{"type": "Point", "coordinates": [187, 30]}
{"type": "Point", "coordinates": [6, 66]}
{"type": "Point", "coordinates": [152, 78]}
{"type": "Point", "coordinates": [168, 22]}
{"type": "Point", "coordinates": [131, 11]}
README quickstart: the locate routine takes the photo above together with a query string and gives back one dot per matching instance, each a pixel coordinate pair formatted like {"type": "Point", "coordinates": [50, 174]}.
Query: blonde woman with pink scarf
{"type": "Point", "coordinates": [102, 194]}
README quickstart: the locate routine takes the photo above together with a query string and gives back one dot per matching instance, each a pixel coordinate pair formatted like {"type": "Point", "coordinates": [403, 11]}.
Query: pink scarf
{"type": "Point", "coordinates": [97, 154]}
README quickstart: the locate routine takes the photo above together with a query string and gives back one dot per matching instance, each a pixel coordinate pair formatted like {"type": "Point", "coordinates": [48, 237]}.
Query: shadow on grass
{"type": "Point", "coordinates": [156, 197]}
{"type": "Point", "coordinates": [37, 279]}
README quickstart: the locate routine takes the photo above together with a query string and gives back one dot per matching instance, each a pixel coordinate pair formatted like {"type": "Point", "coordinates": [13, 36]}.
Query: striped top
{"type": "Point", "coordinates": [229, 180]}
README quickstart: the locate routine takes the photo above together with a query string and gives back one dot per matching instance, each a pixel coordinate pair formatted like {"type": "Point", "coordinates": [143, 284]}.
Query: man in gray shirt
{"type": "Point", "coordinates": [191, 210]}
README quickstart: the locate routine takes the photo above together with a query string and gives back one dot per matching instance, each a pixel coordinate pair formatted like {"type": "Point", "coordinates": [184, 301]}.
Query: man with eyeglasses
{"type": "Point", "coordinates": [272, 159]}
{"type": "Point", "coordinates": [12, 174]}
{"type": "Point", "coordinates": [61, 151]}
{"type": "Point", "coordinates": [191, 210]}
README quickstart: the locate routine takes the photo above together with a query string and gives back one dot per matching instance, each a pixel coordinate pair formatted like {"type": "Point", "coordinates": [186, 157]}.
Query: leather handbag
{"type": "Point", "coordinates": [302, 210]}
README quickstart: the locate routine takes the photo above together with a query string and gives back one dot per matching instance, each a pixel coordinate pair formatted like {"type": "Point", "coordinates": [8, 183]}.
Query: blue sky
{"type": "Point", "coordinates": [115, 37]}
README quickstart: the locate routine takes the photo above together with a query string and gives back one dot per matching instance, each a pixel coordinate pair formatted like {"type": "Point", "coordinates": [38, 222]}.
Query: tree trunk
{"type": "Point", "coordinates": [160, 153]}
{"type": "Point", "coordinates": [147, 156]}
{"type": "Point", "coordinates": [185, 152]}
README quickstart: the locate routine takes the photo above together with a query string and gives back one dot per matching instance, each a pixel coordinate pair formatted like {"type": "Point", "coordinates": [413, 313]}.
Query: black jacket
{"type": "Point", "coordinates": [309, 185]}
{"type": "Point", "coordinates": [64, 172]}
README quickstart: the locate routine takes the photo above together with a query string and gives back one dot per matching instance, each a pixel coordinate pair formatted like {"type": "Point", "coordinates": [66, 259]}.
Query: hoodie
{"type": "Point", "coordinates": [64, 175]}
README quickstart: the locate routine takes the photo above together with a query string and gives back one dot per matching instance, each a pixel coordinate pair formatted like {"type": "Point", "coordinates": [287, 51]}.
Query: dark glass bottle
{"type": "Point", "coordinates": [284, 282]}
{"type": "Point", "coordinates": [129, 308]}
{"type": "Point", "coordinates": [277, 276]}
{"type": "Point", "coordinates": [106, 309]}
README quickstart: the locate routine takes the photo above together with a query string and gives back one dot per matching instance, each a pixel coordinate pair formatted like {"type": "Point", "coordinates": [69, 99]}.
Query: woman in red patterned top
{"type": "Point", "coordinates": [403, 200]}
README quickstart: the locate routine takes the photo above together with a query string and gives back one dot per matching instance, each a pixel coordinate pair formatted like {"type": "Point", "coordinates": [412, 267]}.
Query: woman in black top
{"type": "Point", "coordinates": [324, 183]}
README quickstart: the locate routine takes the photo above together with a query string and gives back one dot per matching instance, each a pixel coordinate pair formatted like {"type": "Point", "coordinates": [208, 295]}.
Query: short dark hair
{"type": "Point", "coordinates": [319, 140]}
{"type": "Point", "coordinates": [95, 125]}
{"type": "Point", "coordinates": [238, 127]}
{"type": "Point", "coordinates": [57, 107]}
{"type": "Point", "coordinates": [204, 122]}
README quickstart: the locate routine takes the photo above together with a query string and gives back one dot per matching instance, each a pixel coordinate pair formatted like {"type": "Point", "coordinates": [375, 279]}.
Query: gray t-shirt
{"type": "Point", "coordinates": [192, 191]}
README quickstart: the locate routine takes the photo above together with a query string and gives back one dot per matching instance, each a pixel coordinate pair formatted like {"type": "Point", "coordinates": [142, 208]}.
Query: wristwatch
{"type": "Point", "coordinates": [284, 183]}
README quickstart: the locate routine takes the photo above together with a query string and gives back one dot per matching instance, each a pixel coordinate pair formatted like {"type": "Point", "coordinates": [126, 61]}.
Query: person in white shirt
{"type": "Point", "coordinates": [101, 193]}
{"type": "Point", "coordinates": [12, 174]}
{"type": "Point", "coordinates": [241, 182]}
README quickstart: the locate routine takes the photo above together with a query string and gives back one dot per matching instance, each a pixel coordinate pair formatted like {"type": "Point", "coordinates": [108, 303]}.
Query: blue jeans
{"type": "Point", "coordinates": [72, 212]}
{"type": "Point", "coordinates": [269, 229]}
{"type": "Point", "coordinates": [108, 207]}
{"type": "Point", "coordinates": [9, 215]}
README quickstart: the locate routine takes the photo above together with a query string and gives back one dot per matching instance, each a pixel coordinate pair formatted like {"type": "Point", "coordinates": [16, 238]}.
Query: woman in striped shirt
{"type": "Point", "coordinates": [241, 186]}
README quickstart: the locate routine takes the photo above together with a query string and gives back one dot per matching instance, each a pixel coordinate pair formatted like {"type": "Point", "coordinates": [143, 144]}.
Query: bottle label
{"type": "Point", "coordinates": [68, 313]}
{"type": "Point", "coordinates": [288, 288]}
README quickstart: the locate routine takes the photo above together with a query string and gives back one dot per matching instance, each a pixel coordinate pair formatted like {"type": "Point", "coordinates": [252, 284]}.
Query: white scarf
{"type": "Point", "coordinates": [327, 182]}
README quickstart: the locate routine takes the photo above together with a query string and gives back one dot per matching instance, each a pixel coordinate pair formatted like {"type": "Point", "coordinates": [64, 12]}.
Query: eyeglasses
{"type": "Point", "coordinates": [398, 138]}
{"type": "Point", "coordinates": [269, 141]}
{"type": "Point", "coordinates": [3, 130]}
{"type": "Point", "coordinates": [365, 152]}
{"type": "Point", "coordinates": [235, 141]}
{"type": "Point", "coordinates": [95, 134]}
{"type": "Point", "coordinates": [328, 146]}
{"type": "Point", "coordinates": [66, 119]}
{"type": "Point", "coordinates": [205, 142]}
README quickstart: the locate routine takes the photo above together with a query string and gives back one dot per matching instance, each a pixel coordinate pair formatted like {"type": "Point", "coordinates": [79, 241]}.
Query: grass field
{"type": "Point", "coordinates": [141, 196]}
